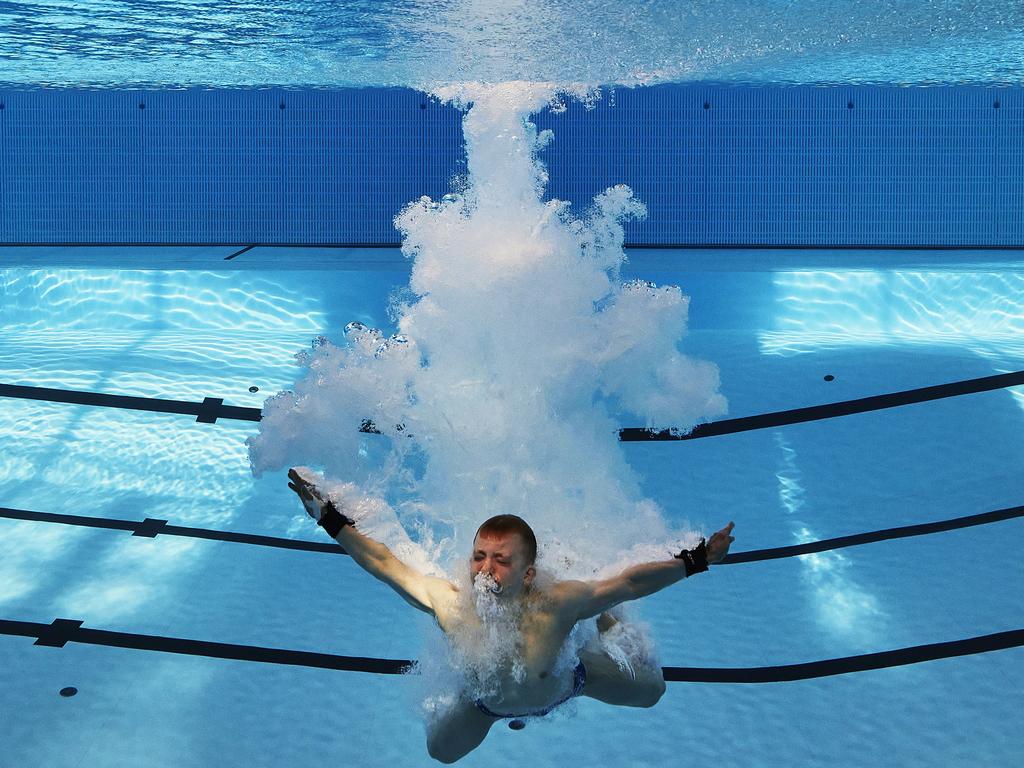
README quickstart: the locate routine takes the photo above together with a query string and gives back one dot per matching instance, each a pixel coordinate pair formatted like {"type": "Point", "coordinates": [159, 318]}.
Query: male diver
{"type": "Point", "coordinates": [504, 551]}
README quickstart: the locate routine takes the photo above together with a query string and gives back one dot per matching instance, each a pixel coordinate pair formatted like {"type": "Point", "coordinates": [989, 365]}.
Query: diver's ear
{"type": "Point", "coordinates": [528, 576]}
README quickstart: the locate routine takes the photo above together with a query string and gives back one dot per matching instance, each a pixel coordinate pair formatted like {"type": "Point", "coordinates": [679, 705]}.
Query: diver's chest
{"type": "Point", "coordinates": [541, 640]}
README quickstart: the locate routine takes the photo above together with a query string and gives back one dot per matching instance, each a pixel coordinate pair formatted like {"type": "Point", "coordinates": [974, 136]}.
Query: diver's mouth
{"type": "Point", "coordinates": [487, 583]}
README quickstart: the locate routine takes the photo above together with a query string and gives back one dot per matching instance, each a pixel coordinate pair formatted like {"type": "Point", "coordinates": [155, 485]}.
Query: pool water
{"type": "Point", "coordinates": [788, 329]}
{"type": "Point", "coordinates": [133, 43]}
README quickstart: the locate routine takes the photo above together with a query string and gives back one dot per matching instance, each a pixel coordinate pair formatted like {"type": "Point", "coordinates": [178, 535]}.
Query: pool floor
{"type": "Point", "coordinates": [788, 330]}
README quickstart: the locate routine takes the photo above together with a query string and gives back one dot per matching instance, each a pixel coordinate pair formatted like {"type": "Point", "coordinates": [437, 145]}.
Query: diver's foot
{"type": "Point", "coordinates": [605, 622]}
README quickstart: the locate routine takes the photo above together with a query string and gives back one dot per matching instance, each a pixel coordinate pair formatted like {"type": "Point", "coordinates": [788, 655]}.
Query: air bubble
{"type": "Point", "coordinates": [395, 340]}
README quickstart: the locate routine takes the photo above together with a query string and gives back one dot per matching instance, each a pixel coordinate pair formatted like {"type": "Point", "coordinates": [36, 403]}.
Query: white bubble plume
{"type": "Point", "coordinates": [519, 353]}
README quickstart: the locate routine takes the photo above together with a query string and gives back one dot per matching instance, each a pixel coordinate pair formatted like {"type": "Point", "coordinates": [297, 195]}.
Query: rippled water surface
{"type": "Point", "coordinates": [426, 42]}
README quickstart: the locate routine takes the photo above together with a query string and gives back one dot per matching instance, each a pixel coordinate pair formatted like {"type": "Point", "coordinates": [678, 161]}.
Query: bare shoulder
{"type": "Point", "coordinates": [565, 597]}
{"type": "Point", "coordinates": [567, 589]}
{"type": "Point", "coordinates": [577, 600]}
{"type": "Point", "coordinates": [443, 589]}
{"type": "Point", "coordinates": [444, 597]}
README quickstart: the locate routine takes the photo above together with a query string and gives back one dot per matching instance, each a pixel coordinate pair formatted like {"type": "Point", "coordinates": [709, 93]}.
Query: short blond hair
{"type": "Point", "coordinates": [502, 524]}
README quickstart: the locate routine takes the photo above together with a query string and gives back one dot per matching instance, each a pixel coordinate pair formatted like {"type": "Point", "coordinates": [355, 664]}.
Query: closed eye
{"type": "Point", "coordinates": [501, 561]}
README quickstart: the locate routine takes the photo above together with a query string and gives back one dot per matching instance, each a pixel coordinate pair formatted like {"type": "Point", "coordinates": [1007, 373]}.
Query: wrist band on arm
{"type": "Point", "coordinates": [332, 521]}
{"type": "Point", "coordinates": [695, 560]}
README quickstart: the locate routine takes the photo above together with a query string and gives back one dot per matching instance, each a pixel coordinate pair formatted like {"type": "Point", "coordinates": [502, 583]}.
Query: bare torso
{"type": "Point", "coordinates": [542, 629]}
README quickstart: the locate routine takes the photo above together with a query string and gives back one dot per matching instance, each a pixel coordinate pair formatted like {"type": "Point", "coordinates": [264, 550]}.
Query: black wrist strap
{"type": "Point", "coordinates": [331, 520]}
{"type": "Point", "coordinates": [695, 560]}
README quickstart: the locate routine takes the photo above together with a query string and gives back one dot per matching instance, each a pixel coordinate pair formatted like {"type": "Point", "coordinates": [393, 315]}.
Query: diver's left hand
{"type": "Point", "coordinates": [305, 483]}
{"type": "Point", "coordinates": [718, 546]}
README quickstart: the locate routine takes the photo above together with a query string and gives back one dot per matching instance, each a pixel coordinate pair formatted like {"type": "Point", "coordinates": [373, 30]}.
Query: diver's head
{"type": "Point", "coordinates": [504, 550]}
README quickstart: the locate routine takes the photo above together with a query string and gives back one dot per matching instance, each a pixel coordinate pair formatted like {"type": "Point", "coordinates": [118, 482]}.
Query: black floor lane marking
{"type": "Point", "coordinates": [239, 253]}
{"type": "Point", "coordinates": [827, 667]}
{"type": "Point", "coordinates": [212, 408]}
{"type": "Point", "coordinates": [63, 631]}
{"type": "Point", "coordinates": [901, 532]}
{"type": "Point", "coordinates": [151, 528]}
{"type": "Point", "coordinates": [59, 633]}
{"type": "Point", "coordinates": [80, 520]}
{"type": "Point", "coordinates": [208, 411]}
{"type": "Point", "coordinates": [831, 410]}
{"type": "Point", "coordinates": [651, 246]}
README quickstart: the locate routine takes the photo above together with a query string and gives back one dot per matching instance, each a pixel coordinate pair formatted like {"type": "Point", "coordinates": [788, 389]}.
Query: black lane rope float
{"type": "Point", "coordinates": [62, 631]}
{"type": "Point", "coordinates": [212, 408]}
{"type": "Point", "coordinates": [151, 528]}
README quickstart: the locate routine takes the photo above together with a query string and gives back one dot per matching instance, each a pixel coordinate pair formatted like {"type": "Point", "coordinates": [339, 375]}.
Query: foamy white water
{"type": "Point", "coordinates": [518, 355]}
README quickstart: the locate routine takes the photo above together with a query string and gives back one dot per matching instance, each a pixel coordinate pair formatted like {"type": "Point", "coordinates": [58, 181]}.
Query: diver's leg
{"type": "Point", "coordinates": [457, 732]}
{"type": "Point", "coordinates": [641, 686]}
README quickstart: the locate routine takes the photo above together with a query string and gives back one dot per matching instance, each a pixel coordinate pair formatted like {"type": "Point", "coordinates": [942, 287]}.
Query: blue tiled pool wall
{"type": "Point", "coordinates": [715, 164]}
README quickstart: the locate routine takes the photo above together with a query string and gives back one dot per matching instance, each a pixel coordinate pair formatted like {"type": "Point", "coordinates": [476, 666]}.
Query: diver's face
{"type": "Point", "coordinates": [502, 557]}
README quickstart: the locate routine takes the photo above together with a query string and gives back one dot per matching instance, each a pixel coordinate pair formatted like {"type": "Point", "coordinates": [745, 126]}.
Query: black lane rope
{"type": "Point", "coordinates": [151, 528]}
{"type": "Point", "coordinates": [213, 408]}
{"type": "Point", "coordinates": [62, 631]}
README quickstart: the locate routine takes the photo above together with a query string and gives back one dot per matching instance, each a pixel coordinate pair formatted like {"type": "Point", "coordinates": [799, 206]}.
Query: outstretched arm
{"type": "Point", "coordinates": [420, 591]}
{"type": "Point", "coordinates": [591, 598]}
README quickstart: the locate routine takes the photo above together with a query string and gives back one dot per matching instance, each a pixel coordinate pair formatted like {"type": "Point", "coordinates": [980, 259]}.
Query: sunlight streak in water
{"type": "Point", "coordinates": [842, 607]}
{"type": "Point", "coordinates": [833, 309]}
{"type": "Point", "coordinates": [179, 335]}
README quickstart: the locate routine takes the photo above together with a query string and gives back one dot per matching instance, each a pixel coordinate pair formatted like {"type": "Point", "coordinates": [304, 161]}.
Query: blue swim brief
{"type": "Point", "coordinates": [579, 679]}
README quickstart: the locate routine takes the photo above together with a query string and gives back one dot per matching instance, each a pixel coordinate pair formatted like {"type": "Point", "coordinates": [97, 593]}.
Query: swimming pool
{"type": "Point", "coordinates": [160, 606]}
{"type": "Point", "coordinates": [119, 322]}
